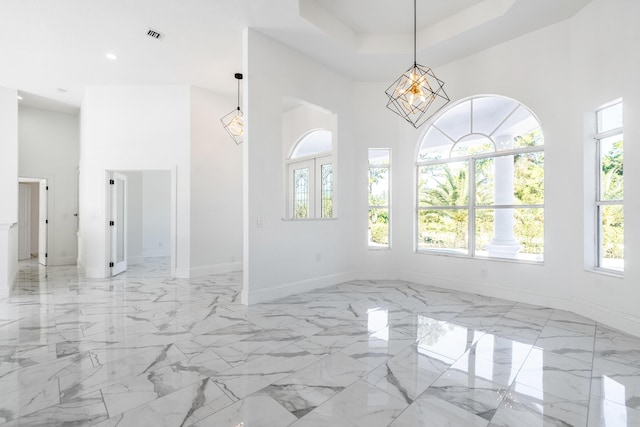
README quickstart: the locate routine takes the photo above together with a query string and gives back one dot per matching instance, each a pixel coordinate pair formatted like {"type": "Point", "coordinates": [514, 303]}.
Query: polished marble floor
{"type": "Point", "coordinates": [142, 349]}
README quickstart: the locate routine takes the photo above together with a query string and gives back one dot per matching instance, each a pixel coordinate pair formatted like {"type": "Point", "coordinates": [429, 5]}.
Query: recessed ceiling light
{"type": "Point", "coordinates": [111, 56]}
{"type": "Point", "coordinates": [19, 97]}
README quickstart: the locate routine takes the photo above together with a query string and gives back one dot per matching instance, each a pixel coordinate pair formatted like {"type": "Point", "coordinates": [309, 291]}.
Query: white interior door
{"type": "Point", "coordinates": [43, 224]}
{"type": "Point", "coordinates": [118, 223]}
{"type": "Point", "coordinates": [24, 222]}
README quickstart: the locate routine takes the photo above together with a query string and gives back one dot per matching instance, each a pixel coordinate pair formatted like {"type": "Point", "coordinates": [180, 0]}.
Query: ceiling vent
{"type": "Point", "coordinates": [154, 34]}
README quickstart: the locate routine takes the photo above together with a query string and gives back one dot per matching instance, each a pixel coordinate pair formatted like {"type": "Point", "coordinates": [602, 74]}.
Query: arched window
{"type": "Point", "coordinates": [480, 181]}
{"type": "Point", "coordinates": [310, 176]}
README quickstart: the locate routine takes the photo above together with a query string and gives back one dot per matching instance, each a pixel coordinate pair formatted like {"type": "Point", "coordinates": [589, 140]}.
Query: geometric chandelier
{"type": "Point", "coordinates": [233, 122]}
{"type": "Point", "coordinates": [416, 91]}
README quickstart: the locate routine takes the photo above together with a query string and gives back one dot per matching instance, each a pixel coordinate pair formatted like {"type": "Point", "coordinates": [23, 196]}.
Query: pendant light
{"type": "Point", "coordinates": [417, 90]}
{"type": "Point", "coordinates": [233, 122]}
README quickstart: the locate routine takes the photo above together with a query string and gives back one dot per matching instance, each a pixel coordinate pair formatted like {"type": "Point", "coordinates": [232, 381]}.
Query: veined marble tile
{"type": "Point", "coordinates": [616, 382]}
{"type": "Point", "coordinates": [572, 322]}
{"type": "Point", "coordinates": [408, 374]}
{"type": "Point", "coordinates": [617, 346]}
{"type": "Point", "coordinates": [308, 388]}
{"type": "Point", "coordinates": [524, 411]}
{"type": "Point", "coordinates": [244, 351]}
{"type": "Point", "coordinates": [558, 375]}
{"type": "Point", "coordinates": [476, 318]}
{"type": "Point", "coordinates": [84, 381]}
{"type": "Point", "coordinates": [256, 410]}
{"type": "Point", "coordinates": [579, 347]}
{"type": "Point", "coordinates": [516, 330]}
{"type": "Point", "coordinates": [243, 380]}
{"type": "Point", "coordinates": [136, 391]}
{"type": "Point", "coordinates": [85, 410]}
{"type": "Point", "coordinates": [332, 340]}
{"type": "Point", "coordinates": [429, 410]}
{"type": "Point", "coordinates": [304, 326]}
{"type": "Point", "coordinates": [378, 347]}
{"type": "Point", "coordinates": [444, 312]}
{"type": "Point", "coordinates": [501, 350]}
{"type": "Point", "coordinates": [25, 401]}
{"type": "Point", "coordinates": [311, 351]}
{"type": "Point", "coordinates": [360, 404]}
{"type": "Point", "coordinates": [478, 397]}
{"type": "Point", "coordinates": [43, 372]}
{"type": "Point", "coordinates": [604, 412]}
{"type": "Point", "coordinates": [183, 407]}
{"type": "Point", "coordinates": [207, 363]}
{"type": "Point", "coordinates": [472, 367]}
{"type": "Point", "coordinates": [446, 338]}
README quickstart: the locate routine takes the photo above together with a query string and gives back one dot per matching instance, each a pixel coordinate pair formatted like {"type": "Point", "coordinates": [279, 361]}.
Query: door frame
{"type": "Point", "coordinates": [172, 171]}
{"type": "Point", "coordinates": [43, 217]}
{"type": "Point", "coordinates": [118, 226]}
{"type": "Point", "coordinates": [24, 224]}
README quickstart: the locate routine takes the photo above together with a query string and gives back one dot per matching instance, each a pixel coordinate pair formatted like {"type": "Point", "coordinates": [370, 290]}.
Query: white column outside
{"type": "Point", "coordinates": [503, 244]}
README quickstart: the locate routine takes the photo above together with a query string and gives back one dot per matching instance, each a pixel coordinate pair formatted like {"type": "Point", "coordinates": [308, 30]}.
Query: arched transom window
{"type": "Point", "coordinates": [480, 181]}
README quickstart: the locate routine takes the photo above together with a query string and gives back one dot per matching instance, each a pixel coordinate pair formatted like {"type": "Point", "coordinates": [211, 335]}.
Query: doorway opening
{"type": "Point", "coordinates": [142, 223]}
{"type": "Point", "coordinates": [33, 221]}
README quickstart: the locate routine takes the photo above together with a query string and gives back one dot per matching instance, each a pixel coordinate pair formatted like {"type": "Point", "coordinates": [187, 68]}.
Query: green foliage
{"type": "Point", "coordinates": [379, 226]}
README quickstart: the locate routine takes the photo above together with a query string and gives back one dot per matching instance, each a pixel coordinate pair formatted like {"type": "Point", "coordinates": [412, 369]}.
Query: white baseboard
{"type": "Point", "coordinates": [605, 315]}
{"type": "Point", "coordinates": [62, 261]}
{"type": "Point", "coordinates": [182, 273]}
{"type": "Point", "coordinates": [215, 269]}
{"type": "Point", "coordinates": [287, 289]}
{"type": "Point", "coordinates": [94, 273]}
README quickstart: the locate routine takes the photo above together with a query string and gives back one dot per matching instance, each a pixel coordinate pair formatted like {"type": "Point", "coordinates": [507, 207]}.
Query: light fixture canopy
{"type": "Point", "coordinates": [417, 94]}
{"type": "Point", "coordinates": [233, 121]}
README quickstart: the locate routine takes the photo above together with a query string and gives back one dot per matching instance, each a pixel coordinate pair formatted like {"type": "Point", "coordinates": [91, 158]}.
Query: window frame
{"type": "Point", "coordinates": [386, 166]}
{"type": "Point", "coordinates": [598, 201]}
{"type": "Point", "coordinates": [314, 162]}
{"type": "Point", "coordinates": [471, 207]}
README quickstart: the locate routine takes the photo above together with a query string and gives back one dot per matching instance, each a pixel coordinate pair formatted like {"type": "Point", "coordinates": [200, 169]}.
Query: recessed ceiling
{"type": "Point", "coordinates": [48, 45]}
{"type": "Point", "coordinates": [394, 16]}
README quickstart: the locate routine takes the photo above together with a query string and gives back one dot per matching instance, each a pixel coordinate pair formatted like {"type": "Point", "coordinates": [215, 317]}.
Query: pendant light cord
{"type": "Point", "coordinates": [415, 62]}
{"type": "Point", "coordinates": [238, 94]}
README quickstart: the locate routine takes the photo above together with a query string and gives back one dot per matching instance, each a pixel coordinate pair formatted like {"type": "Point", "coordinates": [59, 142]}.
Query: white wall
{"type": "Point", "coordinates": [216, 187]}
{"type": "Point", "coordinates": [156, 213]}
{"type": "Point", "coordinates": [561, 73]}
{"type": "Point", "coordinates": [8, 189]}
{"type": "Point", "coordinates": [133, 128]}
{"type": "Point", "coordinates": [134, 217]}
{"type": "Point", "coordinates": [281, 257]}
{"type": "Point", "coordinates": [48, 148]}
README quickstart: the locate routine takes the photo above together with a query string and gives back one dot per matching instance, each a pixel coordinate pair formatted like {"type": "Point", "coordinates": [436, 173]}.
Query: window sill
{"type": "Point", "coordinates": [464, 256]}
{"type": "Point", "coordinates": [602, 272]}
{"type": "Point", "coordinates": [307, 219]}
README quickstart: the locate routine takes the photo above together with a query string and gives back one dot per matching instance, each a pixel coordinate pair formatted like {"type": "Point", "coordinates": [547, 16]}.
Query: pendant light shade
{"type": "Point", "coordinates": [233, 122]}
{"type": "Point", "coordinates": [417, 94]}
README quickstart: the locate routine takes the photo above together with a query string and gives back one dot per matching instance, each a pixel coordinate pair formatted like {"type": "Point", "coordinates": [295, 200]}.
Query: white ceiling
{"type": "Point", "coordinates": [51, 50]}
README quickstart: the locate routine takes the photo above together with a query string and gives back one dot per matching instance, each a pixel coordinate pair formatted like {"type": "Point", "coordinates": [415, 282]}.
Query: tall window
{"type": "Point", "coordinates": [379, 193]}
{"type": "Point", "coordinates": [310, 171]}
{"type": "Point", "coordinates": [480, 182]}
{"type": "Point", "coordinates": [609, 206]}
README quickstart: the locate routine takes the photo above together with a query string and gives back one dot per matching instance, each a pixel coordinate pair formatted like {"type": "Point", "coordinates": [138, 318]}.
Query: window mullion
{"type": "Point", "coordinates": [471, 171]}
